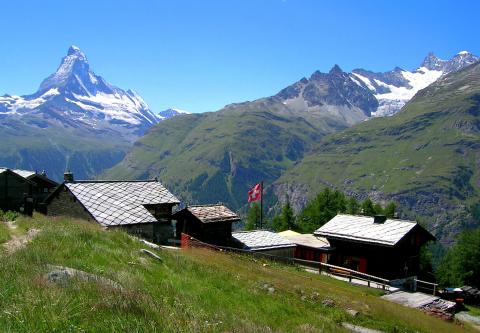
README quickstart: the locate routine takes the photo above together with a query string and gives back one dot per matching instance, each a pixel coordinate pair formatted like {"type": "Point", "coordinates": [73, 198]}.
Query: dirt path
{"type": "Point", "coordinates": [18, 242]}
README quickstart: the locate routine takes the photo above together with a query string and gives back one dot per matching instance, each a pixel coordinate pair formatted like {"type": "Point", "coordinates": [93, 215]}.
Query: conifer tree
{"type": "Point", "coordinates": [253, 217]}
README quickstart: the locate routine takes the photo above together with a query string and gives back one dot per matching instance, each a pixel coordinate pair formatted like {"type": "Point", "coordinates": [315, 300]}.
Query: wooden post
{"type": "Point", "coordinates": [261, 205]}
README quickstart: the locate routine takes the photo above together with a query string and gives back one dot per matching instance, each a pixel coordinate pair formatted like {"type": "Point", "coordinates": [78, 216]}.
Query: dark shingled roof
{"type": "Point", "coordinates": [120, 202]}
{"type": "Point", "coordinates": [22, 173]}
{"type": "Point", "coordinates": [28, 175]}
{"type": "Point", "coordinates": [212, 213]}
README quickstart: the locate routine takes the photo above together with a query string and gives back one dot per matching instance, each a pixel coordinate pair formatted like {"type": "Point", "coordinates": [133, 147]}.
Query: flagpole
{"type": "Point", "coordinates": [261, 205]}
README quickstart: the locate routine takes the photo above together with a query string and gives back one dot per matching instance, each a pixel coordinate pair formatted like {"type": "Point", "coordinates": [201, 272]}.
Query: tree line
{"type": "Point", "coordinates": [317, 212]}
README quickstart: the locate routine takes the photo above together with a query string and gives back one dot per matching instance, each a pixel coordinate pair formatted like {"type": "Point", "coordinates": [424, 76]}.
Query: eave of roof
{"type": "Point", "coordinates": [13, 173]}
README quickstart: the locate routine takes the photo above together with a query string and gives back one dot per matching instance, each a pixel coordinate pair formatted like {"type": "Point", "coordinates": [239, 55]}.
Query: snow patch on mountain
{"type": "Point", "coordinates": [396, 97]}
{"type": "Point", "coordinates": [395, 88]}
{"type": "Point", "coordinates": [169, 113]}
{"type": "Point", "coordinates": [364, 79]}
{"type": "Point", "coordinates": [21, 104]}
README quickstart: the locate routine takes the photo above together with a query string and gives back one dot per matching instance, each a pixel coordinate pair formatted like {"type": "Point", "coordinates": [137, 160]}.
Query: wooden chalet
{"type": "Point", "coordinates": [208, 223]}
{"type": "Point", "coordinates": [309, 247]}
{"type": "Point", "coordinates": [388, 248]}
{"type": "Point", "coordinates": [264, 241]}
{"type": "Point", "coordinates": [143, 208]}
{"type": "Point", "coordinates": [23, 190]}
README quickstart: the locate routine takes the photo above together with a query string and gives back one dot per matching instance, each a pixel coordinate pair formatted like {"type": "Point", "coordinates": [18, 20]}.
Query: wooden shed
{"type": "Point", "coordinates": [208, 223]}
{"type": "Point", "coordinates": [388, 248]}
{"type": "Point", "coordinates": [143, 208]}
{"type": "Point", "coordinates": [23, 190]}
{"type": "Point", "coordinates": [310, 247]}
{"type": "Point", "coordinates": [15, 191]}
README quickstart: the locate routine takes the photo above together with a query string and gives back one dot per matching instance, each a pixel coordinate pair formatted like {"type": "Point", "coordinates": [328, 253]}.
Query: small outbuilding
{"type": "Point", "coordinates": [211, 224]}
{"type": "Point", "coordinates": [310, 247]}
{"type": "Point", "coordinates": [23, 190]}
{"type": "Point", "coordinates": [264, 241]}
{"type": "Point", "coordinates": [389, 248]}
{"type": "Point", "coordinates": [143, 208]}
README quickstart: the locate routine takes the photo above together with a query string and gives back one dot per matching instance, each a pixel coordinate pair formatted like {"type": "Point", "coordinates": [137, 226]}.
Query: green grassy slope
{"type": "Point", "coordinates": [57, 148]}
{"type": "Point", "coordinates": [216, 156]}
{"type": "Point", "coordinates": [188, 291]}
{"type": "Point", "coordinates": [427, 157]}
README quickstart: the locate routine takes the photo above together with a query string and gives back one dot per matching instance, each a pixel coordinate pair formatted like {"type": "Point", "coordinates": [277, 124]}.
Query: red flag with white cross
{"type": "Point", "coordinates": [255, 193]}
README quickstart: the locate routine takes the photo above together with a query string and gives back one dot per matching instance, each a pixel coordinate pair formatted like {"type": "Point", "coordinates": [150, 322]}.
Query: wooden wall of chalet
{"type": "Point", "coordinates": [388, 262]}
{"type": "Point", "coordinates": [42, 189]}
{"type": "Point", "coordinates": [310, 253]}
{"type": "Point", "coordinates": [217, 233]}
{"type": "Point", "coordinates": [12, 191]}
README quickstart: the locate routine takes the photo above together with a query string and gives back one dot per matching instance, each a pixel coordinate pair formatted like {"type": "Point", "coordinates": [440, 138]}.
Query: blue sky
{"type": "Point", "coordinates": [201, 55]}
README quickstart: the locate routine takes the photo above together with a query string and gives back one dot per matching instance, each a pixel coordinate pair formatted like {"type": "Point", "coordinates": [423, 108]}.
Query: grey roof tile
{"type": "Point", "coordinates": [120, 202]}
{"type": "Point", "coordinates": [212, 213]}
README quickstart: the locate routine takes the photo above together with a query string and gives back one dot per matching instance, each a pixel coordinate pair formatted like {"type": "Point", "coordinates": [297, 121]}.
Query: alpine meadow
{"type": "Point", "coordinates": [240, 166]}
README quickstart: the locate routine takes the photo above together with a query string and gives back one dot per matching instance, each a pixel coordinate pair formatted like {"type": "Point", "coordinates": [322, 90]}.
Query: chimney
{"type": "Point", "coordinates": [68, 177]}
{"type": "Point", "coordinates": [379, 219]}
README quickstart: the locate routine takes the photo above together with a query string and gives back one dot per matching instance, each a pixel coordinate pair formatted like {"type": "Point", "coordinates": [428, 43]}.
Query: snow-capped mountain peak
{"type": "Point", "coordinates": [169, 113]}
{"type": "Point", "coordinates": [73, 66]}
{"type": "Point", "coordinates": [75, 93]}
{"type": "Point", "coordinates": [394, 88]}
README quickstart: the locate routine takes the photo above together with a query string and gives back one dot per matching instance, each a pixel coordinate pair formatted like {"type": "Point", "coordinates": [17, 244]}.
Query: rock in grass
{"type": "Point", "coordinates": [328, 302]}
{"type": "Point", "coordinates": [352, 312]}
{"type": "Point", "coordinates": [359, 329]}
{"type": "Point", "coordinates": [62, 275]}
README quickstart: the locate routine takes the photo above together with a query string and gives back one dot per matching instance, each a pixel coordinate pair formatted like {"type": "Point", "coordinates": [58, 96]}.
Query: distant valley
{"type": "Point", "coordinates": [321, 131]}
{"type": "Point", "coordinates": [217, 156]}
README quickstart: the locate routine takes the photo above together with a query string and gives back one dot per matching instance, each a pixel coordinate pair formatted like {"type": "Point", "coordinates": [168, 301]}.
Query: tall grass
{"type": "Point", "coordinates": [188, 291]}
{"type": "Point", "coordinates": [4, 232]}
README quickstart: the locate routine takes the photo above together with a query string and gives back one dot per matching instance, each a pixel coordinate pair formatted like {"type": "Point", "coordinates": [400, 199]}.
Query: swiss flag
{"type": "Point", "coordinates": [255, 193]}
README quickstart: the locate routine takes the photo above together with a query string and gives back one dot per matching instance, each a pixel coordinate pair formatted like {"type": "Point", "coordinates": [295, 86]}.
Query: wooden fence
{"type": "Point", "coordinates": [346, 273]}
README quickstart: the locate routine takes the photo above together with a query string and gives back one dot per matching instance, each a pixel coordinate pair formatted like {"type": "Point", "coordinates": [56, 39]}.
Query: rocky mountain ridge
{"type": "Point", "coordinates": [394, 88]}
{"type": "Point", "coordinates": [425, 158]}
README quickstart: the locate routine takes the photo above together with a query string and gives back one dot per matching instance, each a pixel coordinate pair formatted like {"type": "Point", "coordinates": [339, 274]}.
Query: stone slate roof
{"type": "Point", "coordinates": [261, 240]}
{"type": "Point", "coordinates": [212, 213]}
{"type": "Point", "coordinates": [120, 202]}
{"type": "Point", "coordinates": [363, 229]}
